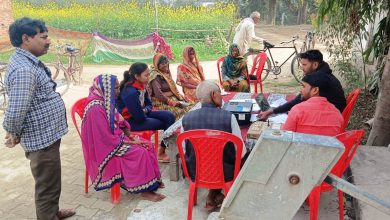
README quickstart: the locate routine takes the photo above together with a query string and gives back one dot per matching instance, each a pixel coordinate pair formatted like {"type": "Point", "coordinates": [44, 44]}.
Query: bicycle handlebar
{"type": "Point", "coordinates": [68, 49]}
{"type": "Point", "coordinates": [294, 38]}
{"type": "Point", "coordinates": [307, 31]}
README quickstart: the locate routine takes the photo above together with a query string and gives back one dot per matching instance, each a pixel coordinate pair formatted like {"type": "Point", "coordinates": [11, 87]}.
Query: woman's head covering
{"type": "Point", "coordinates": [235, 66]}
{"type": "Point", "coordinates": [154, 72]}
{"type": "Point", "coordinates": [193, 65]}
{"type": "Point", "coordinates": [104, 87]}
{"type": "Point", "coordinates": [158, 59]}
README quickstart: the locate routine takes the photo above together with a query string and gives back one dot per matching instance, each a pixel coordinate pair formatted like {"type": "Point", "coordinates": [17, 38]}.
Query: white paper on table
{"type": "Point", "coordinates": [275, 96]}
{"type": "Point", "coordinates": [224, 93]}
{"type": "Point", "coordinates": [277, 102]}
{"type": "Point", "coordinates": [255, 107]}
{"type": "Point", "coordinates": [280, 118]}
{"type": "Point", "coordinates": [243, 100]}
{"type": "Point", "coordinates": [242, 95]}
{"type": "Point", "coordinates": [253, 117]}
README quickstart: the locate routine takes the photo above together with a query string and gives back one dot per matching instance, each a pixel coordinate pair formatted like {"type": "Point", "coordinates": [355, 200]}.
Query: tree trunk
{"type": "Point", "coordinates": [380, 132]}
{"type": "Point", "coordinates": [272, 12]}
{"type": "Point", "coordinates": [301, 18]}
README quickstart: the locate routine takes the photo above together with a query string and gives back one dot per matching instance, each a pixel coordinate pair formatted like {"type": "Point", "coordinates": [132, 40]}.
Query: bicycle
{"type": "Point", "coordinates": [307, 44]}
{"type": "Point", "coordinates": [72, 70]}
{"type": "Point", "coordinates": [309, 41]}
{"type": "Point", "coordinates": [3, 93]}
{"type": "Point", "coordinates": [272, 66]}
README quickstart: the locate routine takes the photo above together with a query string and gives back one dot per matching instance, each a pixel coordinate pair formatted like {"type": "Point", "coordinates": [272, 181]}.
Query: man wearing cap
{"type": "Point", "coordinates": [316, 115]}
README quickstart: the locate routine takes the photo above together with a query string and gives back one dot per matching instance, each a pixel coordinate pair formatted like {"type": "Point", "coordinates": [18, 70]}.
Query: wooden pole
{"type": "Point", "coordinates": [156, 15]}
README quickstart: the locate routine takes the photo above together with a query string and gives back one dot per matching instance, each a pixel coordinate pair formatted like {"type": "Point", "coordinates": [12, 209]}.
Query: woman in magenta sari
{"type": "Point", "coordinates": [111, 153]}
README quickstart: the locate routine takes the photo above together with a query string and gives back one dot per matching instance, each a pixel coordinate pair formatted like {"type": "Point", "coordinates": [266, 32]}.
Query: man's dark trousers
{"type": "Point", "coordinates": [46, 169]}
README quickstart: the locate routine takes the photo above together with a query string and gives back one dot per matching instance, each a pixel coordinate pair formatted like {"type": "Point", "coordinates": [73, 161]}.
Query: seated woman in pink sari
{"type": "Point", "coordinates": [189, 73]}
{"type": "Point", "coordinates": [111, 154]}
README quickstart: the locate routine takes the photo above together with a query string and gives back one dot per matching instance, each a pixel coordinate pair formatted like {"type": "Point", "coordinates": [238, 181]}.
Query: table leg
{"type": "Point", "coordinates": [174, 159]}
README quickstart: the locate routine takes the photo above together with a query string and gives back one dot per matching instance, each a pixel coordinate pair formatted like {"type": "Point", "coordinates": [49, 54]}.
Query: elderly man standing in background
{"type": "Point", "coordinates": [245, 32]}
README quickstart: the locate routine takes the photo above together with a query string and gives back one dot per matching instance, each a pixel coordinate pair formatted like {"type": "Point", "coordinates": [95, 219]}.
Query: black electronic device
{"type": "Point", "coordinates": [262, 102]}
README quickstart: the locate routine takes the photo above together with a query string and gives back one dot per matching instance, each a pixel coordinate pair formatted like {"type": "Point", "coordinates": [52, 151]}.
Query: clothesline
{"type": "Point", "coordinates": [174, 30]}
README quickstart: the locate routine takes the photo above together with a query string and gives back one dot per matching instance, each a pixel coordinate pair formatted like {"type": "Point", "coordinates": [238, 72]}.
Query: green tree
{"type": "Point", "coordinates": [345, 25]}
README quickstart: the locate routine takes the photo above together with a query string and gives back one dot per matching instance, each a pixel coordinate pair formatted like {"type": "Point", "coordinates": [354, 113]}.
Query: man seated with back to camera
{"type": "Point", "coordinates": [316, 115]}
{"type": "Point", "coordinates": [211, 116]}
{"type": "Point", "coordinates": [312, 62]}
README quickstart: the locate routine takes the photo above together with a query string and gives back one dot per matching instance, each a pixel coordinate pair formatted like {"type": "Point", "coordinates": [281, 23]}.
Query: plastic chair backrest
{"type": "Point", "coordinates": [208, 147]}
{"type": "Point", "coordinates": [78, 107]}
{"type": "Point", "coordinates": [219, 64]}
{"type": "Point", "coordinates": [351, 141]}
{"type": "Point", "coordinates": [351, 100]}
{"type": "Point", "coordinates": [262, 59]}
{"type": "Point", "coordinates": [254, 64]}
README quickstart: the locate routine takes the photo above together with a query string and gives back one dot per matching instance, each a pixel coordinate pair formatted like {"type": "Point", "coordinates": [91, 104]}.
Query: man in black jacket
{"type": "Point", "coordinates": [312, 62]}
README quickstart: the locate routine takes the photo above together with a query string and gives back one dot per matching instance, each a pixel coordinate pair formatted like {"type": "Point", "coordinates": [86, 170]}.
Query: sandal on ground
{"type": "Point", "coordinates": [210, 205]}
{"type": "Point", "coordinates": [65, 213]}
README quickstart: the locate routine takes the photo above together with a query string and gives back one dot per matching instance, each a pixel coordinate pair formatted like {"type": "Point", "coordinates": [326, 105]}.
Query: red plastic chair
{"type": "Point", "coordinates": [351, 100]}
{"type": "Point", "coordinates": [219, 64]}
{"type": "Point", "coordinates": [258, 66]}
{"type": "Point", "coordinates": [351, 141]}
{"type": "Point", "coordinates": [148, 136]}
{"type": "Point", "coordinates": [208, 146]}
{"type": "Point", "coordinates": [78, 108]}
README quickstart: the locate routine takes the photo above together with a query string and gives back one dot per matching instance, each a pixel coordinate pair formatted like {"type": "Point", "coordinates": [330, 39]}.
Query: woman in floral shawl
{"type": "Point", "coordinates": [163, 90]}
{"type": "Point", "coordinates": [111, 154]}
{"type": "Point", "coordinates": [235, 71]}
{"type": "Point", "coordinates": [189, 73]}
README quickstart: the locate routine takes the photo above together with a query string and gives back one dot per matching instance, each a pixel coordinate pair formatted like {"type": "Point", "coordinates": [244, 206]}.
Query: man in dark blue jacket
{"type": "Point", "coordinates": [312, 62]}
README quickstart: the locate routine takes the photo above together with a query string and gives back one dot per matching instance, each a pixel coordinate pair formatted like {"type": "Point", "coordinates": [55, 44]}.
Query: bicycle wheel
{"type": "Point", "coordinates": [62, 80]}
{"type": "Point", "coordinates": [296, 69]}
{"type": "Point", "coordinates": [57, 67]}
{"type": "Point", "coordinates": [311, 43]}
{"type": "Point", "coordinates": [3, 93]}
{"type": "Point", "coordinates": [266, 70]}
{"type": "Point", "coordinates": [3, 99]}
{"type": "Point", "coordinates": [77, 69]}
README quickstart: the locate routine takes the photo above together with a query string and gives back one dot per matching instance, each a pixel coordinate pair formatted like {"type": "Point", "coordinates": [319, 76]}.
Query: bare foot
{"type": "Point", "coordinates": [164, 158]}
{"type": "Point", "coordinates": [152, 196]}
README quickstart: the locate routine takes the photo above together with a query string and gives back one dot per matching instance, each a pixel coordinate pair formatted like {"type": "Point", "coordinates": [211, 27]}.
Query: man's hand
{"type": "Point", "coordinates": [264, 115]}
{"type": "Point", "coordinates": [11, 141]}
